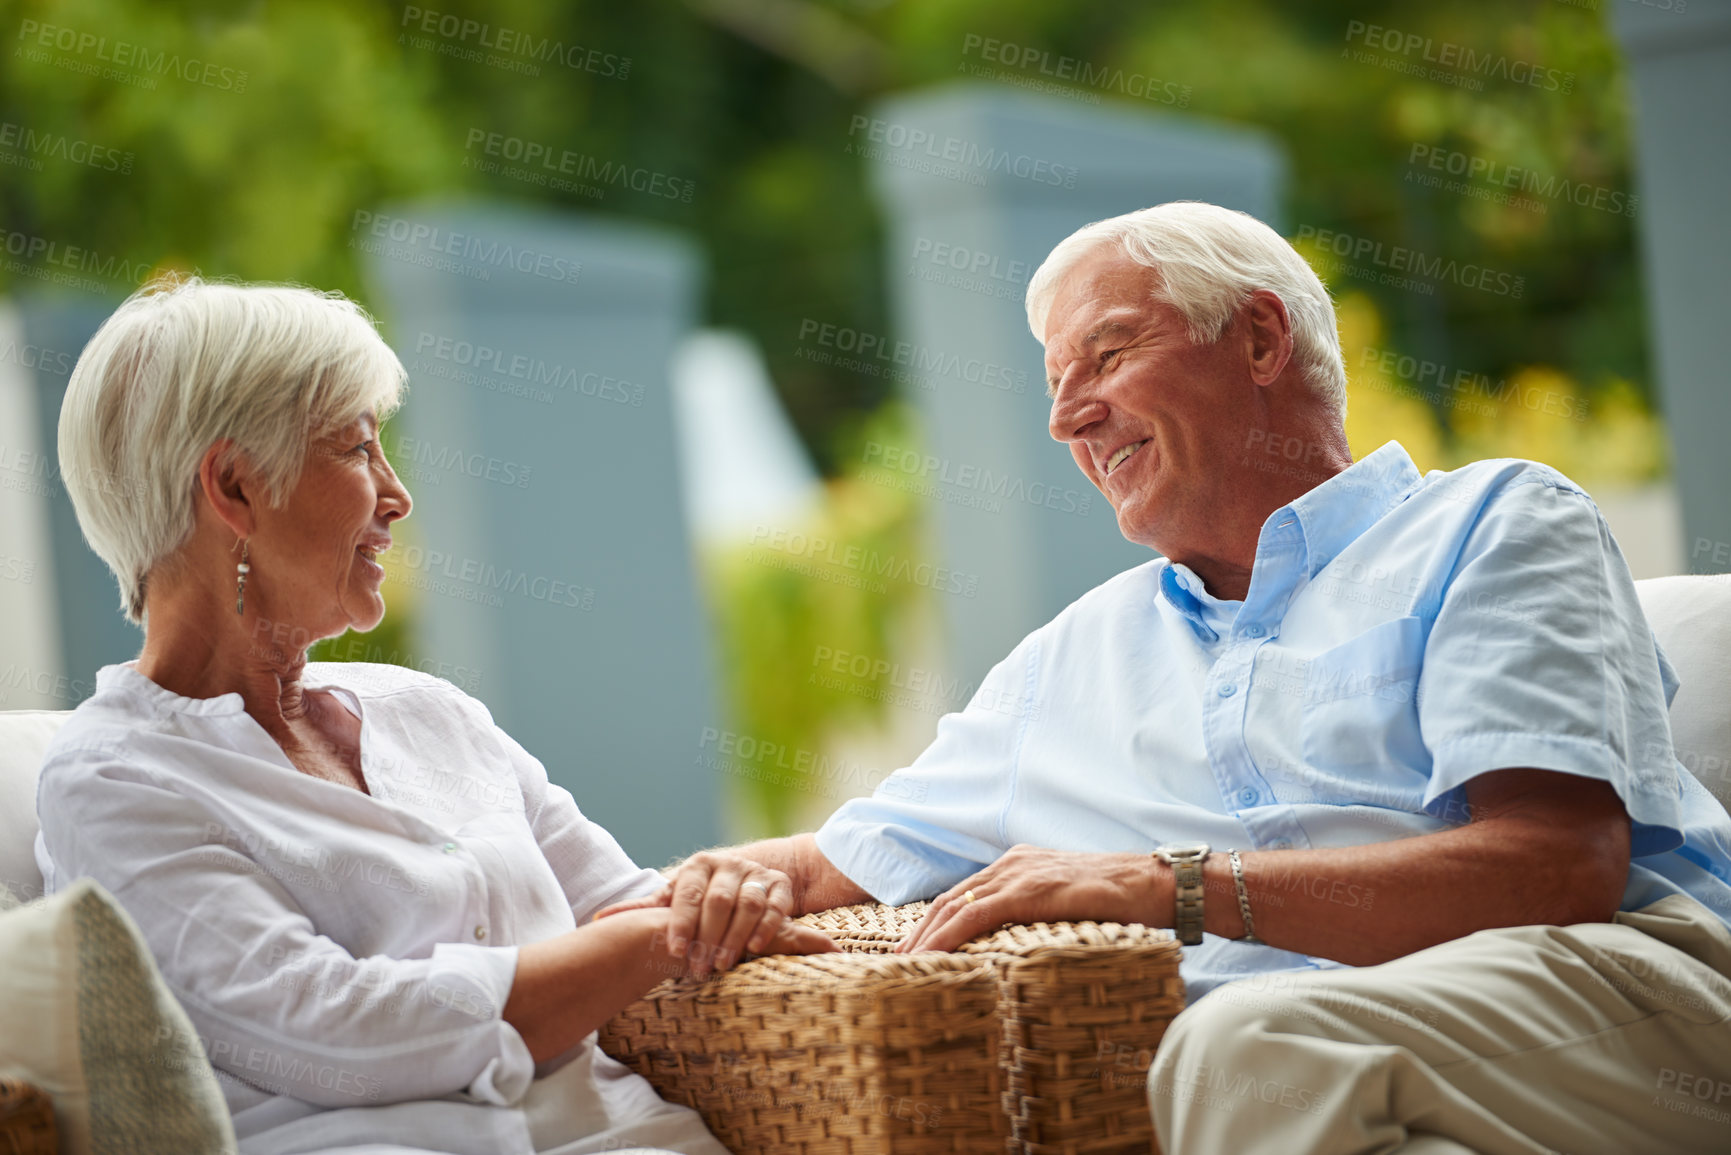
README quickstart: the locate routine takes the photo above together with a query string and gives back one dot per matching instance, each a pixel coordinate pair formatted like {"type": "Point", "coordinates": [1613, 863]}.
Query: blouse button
{"type": "Point", "coordinates": [480, 933]}
{"type": "Point", "coordinates": [450, 847]}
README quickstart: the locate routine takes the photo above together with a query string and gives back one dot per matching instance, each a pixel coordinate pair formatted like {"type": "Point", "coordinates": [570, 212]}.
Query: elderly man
{"type": "Point", "coordinates": [1389, 750]}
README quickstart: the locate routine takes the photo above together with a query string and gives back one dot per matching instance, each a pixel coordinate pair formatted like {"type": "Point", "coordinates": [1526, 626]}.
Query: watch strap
{"type": "Point", "coordinates": [1186, 863]}
{"type": "Point", "coordinates": [1187, 874]}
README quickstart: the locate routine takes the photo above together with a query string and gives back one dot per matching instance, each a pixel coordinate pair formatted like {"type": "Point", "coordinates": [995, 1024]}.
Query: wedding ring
{"type": "Point", "coordinates": [967, 896]}
{"type": "Point", "coordinates": [757, 884]}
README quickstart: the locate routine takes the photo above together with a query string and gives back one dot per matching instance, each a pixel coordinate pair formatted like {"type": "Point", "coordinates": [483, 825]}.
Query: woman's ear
{"type": "Point", "coordinates": [230, 485]}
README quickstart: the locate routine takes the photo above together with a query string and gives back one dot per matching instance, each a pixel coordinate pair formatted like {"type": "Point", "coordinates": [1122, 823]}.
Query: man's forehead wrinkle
{"type": "Point", "coordinates": [1103, 329]}
{"type": "Point", "coordinates": [1101, 315]}
{"type": "Point", "coordinates": [1104, 316]}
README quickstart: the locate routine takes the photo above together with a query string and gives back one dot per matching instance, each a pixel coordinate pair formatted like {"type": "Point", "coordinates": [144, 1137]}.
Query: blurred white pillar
{"type": "Point", "coordinates": [91, 632]}
{"type": "Point", "coordinates": [978, 184]}
{"type": "Point", "coordinates": [742, 461]}
{"type": "Point", "coordinates": [31, 663]}
{"type": "Point", "coordinates": [1647, 522]}
{"type": "Point", "coordinates": [555, 567]}
{"type": "Point", "coordinates": [1680, 70]}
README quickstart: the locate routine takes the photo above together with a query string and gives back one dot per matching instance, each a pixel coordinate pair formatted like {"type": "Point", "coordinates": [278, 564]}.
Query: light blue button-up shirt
{"type": "Point", "coordinates": [1401, 635]}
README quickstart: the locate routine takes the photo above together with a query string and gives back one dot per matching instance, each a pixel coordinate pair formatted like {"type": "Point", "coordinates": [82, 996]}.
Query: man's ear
{"type": "Point", "coordinates": [1270, 332]}
{"type": "Point", "coordinates": [230, 485]}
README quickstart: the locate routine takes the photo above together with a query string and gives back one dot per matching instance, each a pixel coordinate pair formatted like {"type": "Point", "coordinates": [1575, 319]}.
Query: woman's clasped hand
{"type": "Point", "coordinates": [724, 907]}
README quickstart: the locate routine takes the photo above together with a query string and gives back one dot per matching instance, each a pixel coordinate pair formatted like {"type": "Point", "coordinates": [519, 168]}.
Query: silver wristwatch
{"type": "Point", "coordinates": [1186, 861]}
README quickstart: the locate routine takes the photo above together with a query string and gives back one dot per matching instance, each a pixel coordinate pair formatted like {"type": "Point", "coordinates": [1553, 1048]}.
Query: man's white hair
{"type": "Point", "coordinates": [1209, 260]}
{"type": "Point", "coordinates": [185, 363]}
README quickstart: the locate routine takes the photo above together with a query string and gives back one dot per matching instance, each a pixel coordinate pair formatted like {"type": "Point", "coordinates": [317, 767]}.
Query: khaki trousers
{"type": "Point", "coordinates": [1598, 1039]}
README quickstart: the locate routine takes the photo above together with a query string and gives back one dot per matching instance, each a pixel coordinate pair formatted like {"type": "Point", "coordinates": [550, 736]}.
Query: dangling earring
{"type": "Point", "coordinates": [241, 571]}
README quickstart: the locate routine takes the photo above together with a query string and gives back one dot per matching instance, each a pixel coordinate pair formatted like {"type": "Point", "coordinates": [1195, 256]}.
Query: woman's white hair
{"type": "Point", "coordinates": [1209, 260]}
{"type": "Point", "coordinates": [185, 363]}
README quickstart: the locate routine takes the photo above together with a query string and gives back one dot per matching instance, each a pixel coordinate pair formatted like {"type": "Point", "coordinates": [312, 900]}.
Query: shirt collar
{"type": "Point", "coordinates": [1336, 513]}
{"type": "Point", "coordinates": [1321, 523]}
{"type": "Point", "coordinates": [1185, 592]}
{"type": "Point", "coordinates": [126, 676]}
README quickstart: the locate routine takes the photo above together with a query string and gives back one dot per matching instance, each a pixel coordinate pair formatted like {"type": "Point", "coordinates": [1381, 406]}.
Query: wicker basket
{"type": "Point", "coordinates": [1031, 1040]}
{"type": "Point", "coordinates": [26, 1120]}
{"type": "Point", "coordinates": [1083, 1007]}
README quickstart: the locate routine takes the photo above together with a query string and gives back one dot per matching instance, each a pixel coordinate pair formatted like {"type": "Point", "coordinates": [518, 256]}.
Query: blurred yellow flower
{"type": "Point", "coordinates": [1539, 413]}
{"type": "Point", "coordinates": [1381, 406]}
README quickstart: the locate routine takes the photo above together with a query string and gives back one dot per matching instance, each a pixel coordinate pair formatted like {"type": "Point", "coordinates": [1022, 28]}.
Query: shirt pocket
{"type": "Point", "coordinates": [1360, 708]}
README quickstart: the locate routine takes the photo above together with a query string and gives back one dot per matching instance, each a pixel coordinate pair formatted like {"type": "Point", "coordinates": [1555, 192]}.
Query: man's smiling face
{"type": "Point", "coordinates": [1154, 421]}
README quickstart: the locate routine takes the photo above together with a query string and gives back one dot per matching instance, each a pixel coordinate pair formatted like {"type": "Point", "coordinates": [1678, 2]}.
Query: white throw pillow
{"type": "Point", "coordinates": [24, 736]}
{"type": "Point", "coordinates": [85, 1016]}
{"type": "Point", "coordinates": [1691, 617]}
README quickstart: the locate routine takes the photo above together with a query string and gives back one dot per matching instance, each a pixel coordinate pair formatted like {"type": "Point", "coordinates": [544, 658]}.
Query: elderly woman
{"type": "Point", "coordinates": [368, 966]}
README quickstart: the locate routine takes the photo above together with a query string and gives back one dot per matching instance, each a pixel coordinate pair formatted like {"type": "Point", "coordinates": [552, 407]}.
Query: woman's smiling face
{"type": "Point", "coordinates": [314, 559]}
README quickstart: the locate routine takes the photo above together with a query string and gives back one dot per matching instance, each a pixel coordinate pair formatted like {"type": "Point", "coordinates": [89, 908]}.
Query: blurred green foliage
{"type": "Point", "coordinates": [342, 106]}
{"type": "Point", "coordinates": [777, 610]}
{"type": "Point", "coordinates": [299, 114]}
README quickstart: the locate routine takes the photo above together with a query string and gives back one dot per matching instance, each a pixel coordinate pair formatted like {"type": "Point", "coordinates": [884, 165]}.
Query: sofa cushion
{"type": "Point", "coordinates": [1691, 617]}
{"type": "Point", "coordinates": [85, 1016]}
{"type": "Point", "coordinates": [24, 736]}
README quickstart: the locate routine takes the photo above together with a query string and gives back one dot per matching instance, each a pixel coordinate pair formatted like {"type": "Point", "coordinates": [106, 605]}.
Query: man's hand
{"type": "Point", "coordinates": [1032, 884]}
{"type": "Point", "coordinates": [725, 905]}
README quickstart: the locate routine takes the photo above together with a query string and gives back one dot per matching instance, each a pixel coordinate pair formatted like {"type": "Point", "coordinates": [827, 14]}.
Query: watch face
{"type": "Point", "coordinates": [1184, 849]}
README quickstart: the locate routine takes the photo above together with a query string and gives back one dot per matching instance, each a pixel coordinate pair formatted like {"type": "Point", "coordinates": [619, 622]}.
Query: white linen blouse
{"type": "Point", "coordinates": [345, 956]}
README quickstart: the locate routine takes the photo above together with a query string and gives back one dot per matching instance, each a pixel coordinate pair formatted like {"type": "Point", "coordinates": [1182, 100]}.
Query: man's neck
{"type": "Point", "coordinates": [1222, 550]}
{"type": "Point", "coordinates": [1223, 578]}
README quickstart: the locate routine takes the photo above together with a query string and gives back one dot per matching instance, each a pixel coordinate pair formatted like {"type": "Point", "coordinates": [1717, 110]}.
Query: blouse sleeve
{"type": "Point", "coordinates": [276, 1004]}
{"type": "Point", "coordinates": [592, 868]}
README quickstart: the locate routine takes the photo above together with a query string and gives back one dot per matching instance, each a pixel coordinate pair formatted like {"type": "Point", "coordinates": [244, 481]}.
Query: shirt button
{"type": "Point", "coordinates": [1253, 631]}
{"type": "Point", "coordinates": [1280, 844]}
{"type": "Point", "coordinates": [480, 933]}
{"type": "Point", "coordinates": [1247, 796]}
{"type": "Point", "coordinates": [450, 847]}
{"type": "Point", "coordinates": [1228, 690]}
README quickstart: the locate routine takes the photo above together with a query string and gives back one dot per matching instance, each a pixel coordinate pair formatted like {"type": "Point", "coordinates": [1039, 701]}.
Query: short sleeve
{"type": "Point", "coordinates": [929, 826]}
{"type": "Point", "coordinates": [1540, 657]}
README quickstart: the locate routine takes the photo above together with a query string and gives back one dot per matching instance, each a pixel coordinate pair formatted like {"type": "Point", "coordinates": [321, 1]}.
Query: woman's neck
{"type": "Point", "coordinates": [192, 652]}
